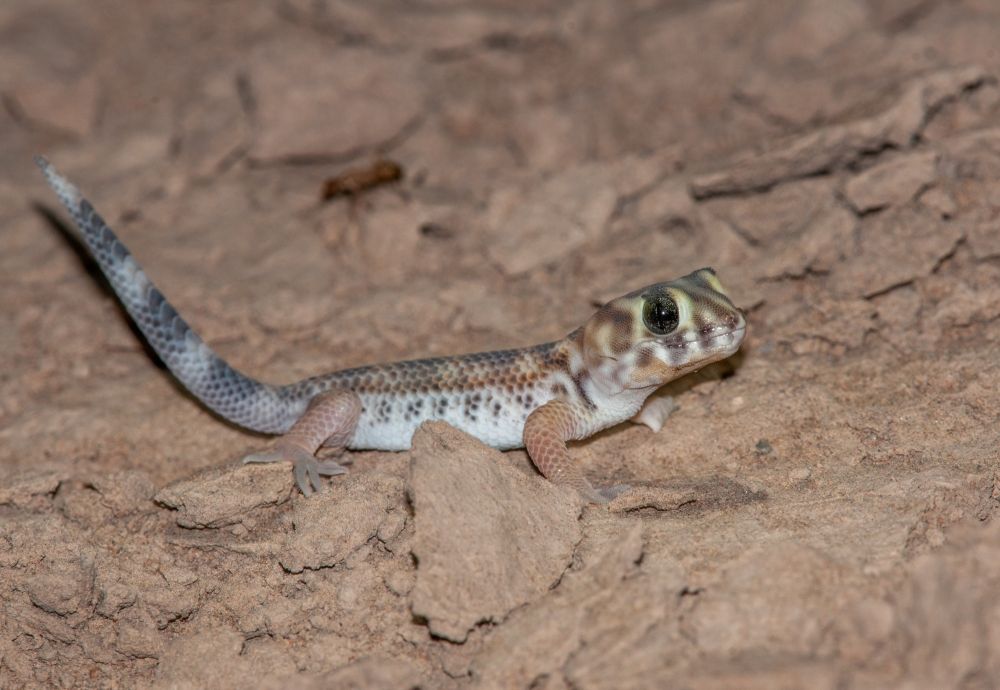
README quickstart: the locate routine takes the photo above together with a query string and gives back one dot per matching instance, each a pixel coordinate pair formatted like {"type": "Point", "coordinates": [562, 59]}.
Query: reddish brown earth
{"type": "Point", "coordinates": [818, 513]}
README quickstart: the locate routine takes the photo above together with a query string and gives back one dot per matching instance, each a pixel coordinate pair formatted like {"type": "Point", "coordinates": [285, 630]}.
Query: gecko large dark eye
{"type": "Point", "coordinates": [660, 314]}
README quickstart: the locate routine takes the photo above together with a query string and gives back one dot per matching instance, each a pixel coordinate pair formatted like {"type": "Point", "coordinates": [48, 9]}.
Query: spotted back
{"type": "Point", "coordinates": [487, 394]}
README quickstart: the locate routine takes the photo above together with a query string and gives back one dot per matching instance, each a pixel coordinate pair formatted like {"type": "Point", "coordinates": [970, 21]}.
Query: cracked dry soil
{"type": "Point", "coordinates": [817, 513]}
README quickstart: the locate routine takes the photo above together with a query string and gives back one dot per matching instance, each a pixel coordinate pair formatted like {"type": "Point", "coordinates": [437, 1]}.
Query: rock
{"type": "Point", "coordinates": [803, 225]}
{"type": "Point", "coordinates": [284, 310]}
{"type": "Point", "coordinates": [213, 130]}
{"type": "Point", "coordinates": [940, 202]}
{"type": "Point", "coordinates": [389, 237]}
{"type": "Point", "coordinates": [832, 325]}
{"type": "Point", "coordinates": [219, 497]}
{"type": "Point", "coordinates": [373, 672]}
{"type": "Point", "coordinates": [794, 98]}
{"type": "Point", "coordinates": [332, 525]}
{"type": "Point", "coordinates": [984, 240]}
{"type": "Point", "coordinates": [967, 304]}
{"type": "Point", "coordinates": [897, 247]}
{"type": "Point", "coordinates": [657, 498]}
{"type": "Point", "coordinates": [57, 592]}
{"type": "Point", "coordinates": [316, 101]}
{"type": "Point", "coordinates": [113, 591]}
{"type": "Point", "coordinates": [973, 155]}
{"type": "Point", "coordinates": [667, 203]}
{"type": "Point", "coordinates": [488, 538]}
{"type": "Point", "coordinates": [125, 492]}
{"type": "Point", "coordinates": [138, 636]}
{"type": "Point", "coordinates": [751, 674]}
{"type": "Point", "coordinates": [67, 107]}
{"type": "Point", "coordinates": [531, 224]}
{"type": "Point", "coordinates": [28, 487]}
{"type": "Point", "coordinates": [171, 602]}
{"type": "Point", "coordinates": [771, 217]}
{"type": "Point", "coordinates": [704, 494]}
{"type": "Point", "coordinates": [814, 27]}
{"type": "Point", "coordinates": [836, 145]}
{"type": "Point", "coordinates": [780, 597]}
{"type": "Point", "coordinates": [944, 616]}
{"type": "Point", "coordinates": [891, 183]}
{"type": "Point", "coordinates": [444, 33]}
{"type": "Point", "coordinates": [400, 582]}
{"type": "Point", "coordinates": [571, 630]}
{"type": "Point", "coordinates": [210, 657]}
{"type": "Point", "coordinates": [800, 474]}
{"type": "Point", "coordinates": [644, 643]}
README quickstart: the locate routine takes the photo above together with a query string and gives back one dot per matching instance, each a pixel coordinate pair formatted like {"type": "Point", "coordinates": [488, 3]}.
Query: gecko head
{"type": "Point", "coordinates": [653, 335]}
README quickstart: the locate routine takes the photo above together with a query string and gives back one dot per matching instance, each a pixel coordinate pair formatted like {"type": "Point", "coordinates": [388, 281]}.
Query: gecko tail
{"type": "Point", "coordinates": [230, 393]}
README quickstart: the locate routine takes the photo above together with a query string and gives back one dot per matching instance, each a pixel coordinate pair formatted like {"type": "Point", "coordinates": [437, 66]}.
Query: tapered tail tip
{"type": "Point", "coordinates": [64, 189]}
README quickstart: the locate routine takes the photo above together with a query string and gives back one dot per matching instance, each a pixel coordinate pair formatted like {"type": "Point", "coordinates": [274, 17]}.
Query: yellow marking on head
{"type": "Point", "coordinates": [685, 307]}
{"type": "Point", "coordinates": [709, 277]}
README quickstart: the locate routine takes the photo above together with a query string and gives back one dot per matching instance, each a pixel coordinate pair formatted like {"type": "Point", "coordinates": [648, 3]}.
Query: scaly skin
{"type": "Point", "coordinates": [536, 397]}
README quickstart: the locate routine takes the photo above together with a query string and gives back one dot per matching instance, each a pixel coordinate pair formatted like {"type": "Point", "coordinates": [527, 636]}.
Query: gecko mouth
{"type": "Point", "coordinates": [685, 356]}
{"type": "Point", "coordinates": [706, 340]}
{"type": "Point", "coordinates": [678, 347]}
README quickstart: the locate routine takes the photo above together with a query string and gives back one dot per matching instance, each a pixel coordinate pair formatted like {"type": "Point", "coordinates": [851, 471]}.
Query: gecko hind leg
{"type": "Point", "coordinates": [329, 420]}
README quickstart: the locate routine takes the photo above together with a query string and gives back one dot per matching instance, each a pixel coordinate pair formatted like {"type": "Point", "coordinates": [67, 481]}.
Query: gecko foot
{"type": "Point", "coordinates": [602, 496]}
{"type": "Point", "coordinates": [610, 493]}
{"type": "Point", "coordinates": [306, 468]}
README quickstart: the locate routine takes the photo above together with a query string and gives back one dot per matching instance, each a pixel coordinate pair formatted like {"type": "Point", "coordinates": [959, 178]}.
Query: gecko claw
{"type": "Point", "coordinates": [330, 468]}
{"type": "Point", "coordinates": [307, 477]}
{"type": "Point", "coordinates": [308, 471]}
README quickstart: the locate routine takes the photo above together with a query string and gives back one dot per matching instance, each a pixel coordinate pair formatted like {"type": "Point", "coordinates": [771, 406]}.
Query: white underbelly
{"type": "Point", "coordinates": [495, 418]}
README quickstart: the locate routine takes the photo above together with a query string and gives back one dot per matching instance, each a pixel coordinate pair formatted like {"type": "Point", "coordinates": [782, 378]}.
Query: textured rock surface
{"type": "Point", "coordinates": [487, 537]}
{"type": "Point", "coordinates": [817, 513]}
{"type": "Point", "coordinates": [302, 86]}
{"type": "Point", "coordinates": [219, 498]}
{"type": "Point", "coordinates": [330, 530]}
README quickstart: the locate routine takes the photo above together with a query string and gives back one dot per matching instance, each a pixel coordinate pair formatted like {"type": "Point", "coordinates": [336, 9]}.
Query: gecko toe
{"type": "Point", "coordinates": [263, 456]}
{"type": "Point", "coordinates": [308, 471]}
{"type": "Point", "coordinates": [609, 493]}
{"type": "Point", "coordinates": [312, 470]}
{"type": "Point", "coordinates": [300, 471]}
{"type": "Point", "coordinates": [591, 495]}
{"type": "Point", "coordinates": [330, 468]}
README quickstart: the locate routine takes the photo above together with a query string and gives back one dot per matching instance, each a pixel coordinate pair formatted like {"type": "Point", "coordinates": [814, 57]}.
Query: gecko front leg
{"type": "Point", "coordinates": [654, 412]}
{"type": "Point", "coordinates": [329, 420]}
{"type": "Point", "coordinates": [545, 434]}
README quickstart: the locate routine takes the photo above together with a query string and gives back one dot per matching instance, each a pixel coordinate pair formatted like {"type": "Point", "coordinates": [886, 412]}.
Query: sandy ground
{"type": "Point", "coordinates": [818, 513]}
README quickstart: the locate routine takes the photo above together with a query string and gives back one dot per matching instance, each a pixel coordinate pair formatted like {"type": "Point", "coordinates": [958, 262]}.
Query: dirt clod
{"type": "Point", "coordinates": [488, 538]}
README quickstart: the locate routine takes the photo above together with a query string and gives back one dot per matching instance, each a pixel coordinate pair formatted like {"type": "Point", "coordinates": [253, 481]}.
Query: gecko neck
{"type": "Point", "coordinates": [595, 383]}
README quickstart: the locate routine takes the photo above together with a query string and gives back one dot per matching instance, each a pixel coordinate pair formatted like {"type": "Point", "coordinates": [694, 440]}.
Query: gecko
{"type": "Point", "coordinates": [537, 398]}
